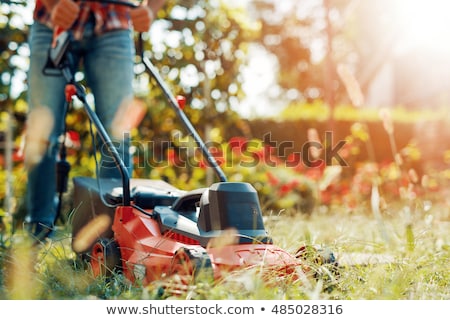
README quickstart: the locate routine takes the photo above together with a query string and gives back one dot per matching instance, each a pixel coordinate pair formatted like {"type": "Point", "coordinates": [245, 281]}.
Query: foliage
{"type": "Point", "coordinates": [13, 48]}
{"type": "Point", "coordinates": [203, 64]}
{"type": "Point", "coordinates": [203, 47]}
{"type": "Point", "coordinates": [294, 31]}
{"type": "Point", "coordinates": [319, 111]}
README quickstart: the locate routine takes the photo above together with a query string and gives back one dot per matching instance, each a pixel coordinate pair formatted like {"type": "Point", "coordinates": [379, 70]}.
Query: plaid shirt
{"type": "Point", "coordinates": [108, 17]}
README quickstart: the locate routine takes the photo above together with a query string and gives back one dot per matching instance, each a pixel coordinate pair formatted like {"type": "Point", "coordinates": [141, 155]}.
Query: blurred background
{"type": "Point", "coordinates": [369, 81]}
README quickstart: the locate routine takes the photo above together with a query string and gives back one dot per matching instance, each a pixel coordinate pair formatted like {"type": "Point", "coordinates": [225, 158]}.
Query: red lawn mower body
{"type": "Point", "coordinates": [148, 229]}
{"type": "Point", "coordinates": [166, 231]}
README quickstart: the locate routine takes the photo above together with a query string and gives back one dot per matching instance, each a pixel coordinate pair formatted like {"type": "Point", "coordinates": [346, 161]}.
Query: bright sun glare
{"type": "Point", "coordinates": [424, 23]}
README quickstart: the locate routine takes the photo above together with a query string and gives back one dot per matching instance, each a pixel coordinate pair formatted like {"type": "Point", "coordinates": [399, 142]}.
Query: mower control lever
{"type": "Point", "coordinates": [57, 54]}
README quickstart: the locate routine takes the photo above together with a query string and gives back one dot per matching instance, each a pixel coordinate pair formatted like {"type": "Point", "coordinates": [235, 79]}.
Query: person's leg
{"type": "Point", "coordinates": [46, 105]}
{"type": "Point", "coordinates": [109, 63]}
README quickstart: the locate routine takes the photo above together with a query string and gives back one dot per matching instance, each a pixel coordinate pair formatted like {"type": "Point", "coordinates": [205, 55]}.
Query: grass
{"type": "Point", "coordinates": [404, 257]}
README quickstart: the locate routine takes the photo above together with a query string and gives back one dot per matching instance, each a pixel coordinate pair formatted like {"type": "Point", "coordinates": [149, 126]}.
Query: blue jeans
{"type": "Point", "coordinates": [108, 68]}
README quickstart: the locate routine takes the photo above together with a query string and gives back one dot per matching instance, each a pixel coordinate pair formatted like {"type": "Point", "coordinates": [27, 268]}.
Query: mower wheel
{"type": "Point", "coordinates": [319, 260]}
{"type": "Point", "coordinates": [192, 264]}
{"type": "Point", "coordinates": [105, 258]}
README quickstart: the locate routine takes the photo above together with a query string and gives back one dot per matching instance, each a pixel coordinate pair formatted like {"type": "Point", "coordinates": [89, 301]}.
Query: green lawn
{"type": "Point", "coordinates": [401, 255]}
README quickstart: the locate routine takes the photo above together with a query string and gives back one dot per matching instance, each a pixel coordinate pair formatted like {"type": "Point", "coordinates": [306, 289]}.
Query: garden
{"type": "Point", "coordinates": [370, 184]}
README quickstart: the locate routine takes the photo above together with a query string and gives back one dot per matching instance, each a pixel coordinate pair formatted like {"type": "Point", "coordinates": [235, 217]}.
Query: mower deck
{"type": "Point", "coordinates": [167, 230]}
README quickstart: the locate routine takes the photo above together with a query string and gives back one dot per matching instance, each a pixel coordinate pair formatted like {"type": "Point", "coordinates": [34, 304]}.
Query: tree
{"type": "Point", "coordinates": [13, 49]}
{"type": "Point", "coordinates": [198, 47]}
{"type": "Point", "coordinates": [295, 32]}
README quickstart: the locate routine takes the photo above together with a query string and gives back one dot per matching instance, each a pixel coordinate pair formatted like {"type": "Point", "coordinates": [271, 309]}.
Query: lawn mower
{"type": "Point", "coordinates": [148, 229]}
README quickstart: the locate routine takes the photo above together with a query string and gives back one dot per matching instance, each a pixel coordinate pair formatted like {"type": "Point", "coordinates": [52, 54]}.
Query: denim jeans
{"type": "Point", "coordinates": [108, 68]}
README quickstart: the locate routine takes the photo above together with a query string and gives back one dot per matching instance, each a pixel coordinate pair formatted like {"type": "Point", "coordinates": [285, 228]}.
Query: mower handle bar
{"type": "Point", "coordinates": [172, 100]}
{"type": "Point", "coordinates": [188, 125]}
{"type": "Point", "coordinates": [81, 95]}
{"type": "Point", "coordinates": [60, 58]}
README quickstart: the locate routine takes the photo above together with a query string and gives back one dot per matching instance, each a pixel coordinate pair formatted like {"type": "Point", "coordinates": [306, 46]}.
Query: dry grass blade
{"type": "Point", "coordinates": [40, 124]}
{"type": "Point", "coordinates": [90, 233]}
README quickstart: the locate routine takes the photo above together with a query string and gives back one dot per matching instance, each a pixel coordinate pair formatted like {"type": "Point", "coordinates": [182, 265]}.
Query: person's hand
{"type": "Point", "coordinates": [64, 13]}
{"type": "Point", "coordinates": [142, 18]}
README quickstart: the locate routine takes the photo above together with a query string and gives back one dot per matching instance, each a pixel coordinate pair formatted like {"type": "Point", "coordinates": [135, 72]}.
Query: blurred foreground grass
{"type": "Point", "coordinates": [405, 255]}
